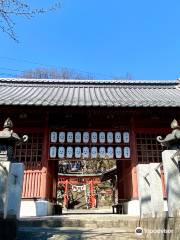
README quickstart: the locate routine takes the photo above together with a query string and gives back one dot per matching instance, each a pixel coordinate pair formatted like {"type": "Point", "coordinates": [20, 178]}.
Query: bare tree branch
{"type": "Point", "coordinates": [17, 8]}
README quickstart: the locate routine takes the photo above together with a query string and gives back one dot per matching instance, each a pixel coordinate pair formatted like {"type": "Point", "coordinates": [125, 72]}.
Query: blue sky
{"type": "Point", "coordinates": [105, 38]}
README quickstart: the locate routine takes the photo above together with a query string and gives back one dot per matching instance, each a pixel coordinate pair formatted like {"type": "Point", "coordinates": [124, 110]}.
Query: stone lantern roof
{"type": "Point", "coordinates": [8, 133]}
{"type": "Point", "coordinates": [172, 140]}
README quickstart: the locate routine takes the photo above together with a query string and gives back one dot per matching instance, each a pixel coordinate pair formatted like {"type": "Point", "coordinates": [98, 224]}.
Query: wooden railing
{"type": "Point", "coordinates": [32, 183]}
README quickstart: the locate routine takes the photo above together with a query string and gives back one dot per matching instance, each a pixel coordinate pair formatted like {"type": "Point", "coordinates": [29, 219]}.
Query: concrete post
{"type": "Point", "coordinates": [172, 180]}
{"type": "Point", "coordinates": [144, 189]}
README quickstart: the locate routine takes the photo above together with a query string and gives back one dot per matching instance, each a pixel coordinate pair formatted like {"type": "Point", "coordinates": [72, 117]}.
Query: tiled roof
{"type": "Point", "coordinates": [120, 93]}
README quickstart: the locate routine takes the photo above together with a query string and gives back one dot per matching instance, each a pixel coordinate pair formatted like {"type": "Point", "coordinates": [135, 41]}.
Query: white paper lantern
{"type": "Point", "coordinates": [94, 137]}
{"type": "Point", "coordinates": [53, 137]}
{"type": "Point", "coordinates": [77, 137]}
{"type": "Point", "coordinates": [69, 137]}
{"type": "Point", "coordinates": [102, 137]}
{"type": "Point", "coordinates": [126, 137]}
{"type": "Point", "coordinates": [77, 152]}
{"type": "Point", "coordinates": [53, 152]}
{"type": "Point", "coordinates": [110, 152]}
{"type": "Point", "coordinates": [85, 137]}
{"type": "Point", "coordinates": [110, 137]}
{"type": "Point", "coordinates": [94, 152]}
{"type": "Point", "coordinates": [102, 152]}
{"type": "Point", "coordinates": [118, 152]}
{"type": "Point", "coordinates": [85, 152]}
{"type": "Point", "coordinates": [69, 152]}
{"type": "Point", "coordinates": [117, 137]}
{"type": "Point", "coordinates": [127, 152]}
{"type": "Point", "coordinates": [61, 152]}
{"type": "Point", "coordinates": [62, 137]}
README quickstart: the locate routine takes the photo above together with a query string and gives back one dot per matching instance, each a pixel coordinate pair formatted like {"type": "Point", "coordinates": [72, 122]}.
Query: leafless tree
{"type": "Point", "coordinates": [9, 9]}
{"type": "Point", "coordinates": [63, 73]}
{"type": "Point", "coordinates": [128, 76]}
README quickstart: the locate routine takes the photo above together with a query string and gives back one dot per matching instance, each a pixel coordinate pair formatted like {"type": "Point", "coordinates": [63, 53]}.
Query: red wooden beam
{"type": "Point", "coordinates": [66, 193]}
{"type": "Point", "coordinates": [133, 161]}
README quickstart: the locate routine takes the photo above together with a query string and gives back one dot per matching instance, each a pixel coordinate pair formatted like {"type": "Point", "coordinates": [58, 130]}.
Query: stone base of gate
{"type": "Point", "coordinates": [36, 208]}
{"type": "Point", "coordinates": [132, 208]}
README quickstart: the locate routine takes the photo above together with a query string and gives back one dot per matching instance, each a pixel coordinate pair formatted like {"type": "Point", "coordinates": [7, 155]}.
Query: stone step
{"type": "Point", "coordinates": [86, 221]}
{"type": "Point", "coordinates": [67, 233]}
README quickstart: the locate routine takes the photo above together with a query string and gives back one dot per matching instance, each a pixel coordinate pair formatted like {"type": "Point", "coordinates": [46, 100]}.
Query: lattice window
{"type": "Point", "coordinates": [148, 149]}
{"type": "Point", "coordinates": [31, 151]}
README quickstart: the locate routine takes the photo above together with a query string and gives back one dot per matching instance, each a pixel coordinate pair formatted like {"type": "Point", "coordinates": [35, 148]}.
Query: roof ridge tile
{"type": "Point", "coordinates": [87, 82]}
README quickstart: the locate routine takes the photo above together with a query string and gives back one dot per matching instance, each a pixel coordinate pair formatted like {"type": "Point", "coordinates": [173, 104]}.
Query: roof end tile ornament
{"type": "Point", "coordinates": [172, 140]}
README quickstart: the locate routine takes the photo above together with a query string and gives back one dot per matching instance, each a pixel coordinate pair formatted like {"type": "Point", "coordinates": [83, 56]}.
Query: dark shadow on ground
{"type": "Point", "coordinates": [70, 234]}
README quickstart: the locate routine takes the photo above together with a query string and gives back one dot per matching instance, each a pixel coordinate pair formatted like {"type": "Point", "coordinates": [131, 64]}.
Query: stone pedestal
{"type": "Point", "coordinates": [14, 190]}
{"type": "Point", "coordinates": [144, 189]}
{"type": "Point", "coordinates": [156, 192]}
{"type": "Point", "coordinates": [172, 180]}
{"type": "Point", "coordinates": [4, 171]}
{"type": "Point", "coordinates": [43, 208]}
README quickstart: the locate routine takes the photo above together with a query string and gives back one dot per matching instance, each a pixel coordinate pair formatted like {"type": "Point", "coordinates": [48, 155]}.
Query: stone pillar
{"type": "Point", "coordinates": [172, 180]}
{"type": "Point", "coordinates": [144, 189]}
{"type": "Point", "coordinates": [14, 190]}
{"type": "Point", "coordinates": [4, 171]}
{"type": "Point", "coordinates": [157, 201]}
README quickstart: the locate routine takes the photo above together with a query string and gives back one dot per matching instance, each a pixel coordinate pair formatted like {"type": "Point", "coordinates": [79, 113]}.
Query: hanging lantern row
{"type": "Point", "coordinates": [85, 137]}
{"type": "Point", "coordinates": [86, 152]}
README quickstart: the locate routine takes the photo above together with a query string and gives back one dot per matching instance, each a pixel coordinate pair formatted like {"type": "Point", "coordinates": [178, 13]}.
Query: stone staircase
{"type": "Point", "coordinates": [79, 226]}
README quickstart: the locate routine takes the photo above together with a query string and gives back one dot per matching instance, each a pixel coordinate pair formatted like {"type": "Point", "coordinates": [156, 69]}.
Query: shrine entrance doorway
{"type": "Point", "coordinates": [89, 186]}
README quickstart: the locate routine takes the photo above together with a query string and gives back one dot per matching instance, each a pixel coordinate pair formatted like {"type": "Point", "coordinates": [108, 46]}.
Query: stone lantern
{"type": "Point", "coordinates": [8, 140]}
{"type": "Point", "coordinates": [11, 181]}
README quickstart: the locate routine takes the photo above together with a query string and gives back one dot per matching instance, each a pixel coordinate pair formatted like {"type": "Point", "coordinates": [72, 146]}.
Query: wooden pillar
{"type": "Point", "coordinates": [92, 197]}
{"type": "Point", "coordinates": [43, 188]}
{"type": "Point", "coordinates": [66, 193]}
{"type": "Point", "coordinates": [163, 182]}
{"type": "Point", "coordinates": [134, 161]}
{"type": "Point", "coordinates": [115, 189]}
{"type": "Point", "coordinates": [44, 182]}
{"type": "Point", "coordinates": [120, 182]}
